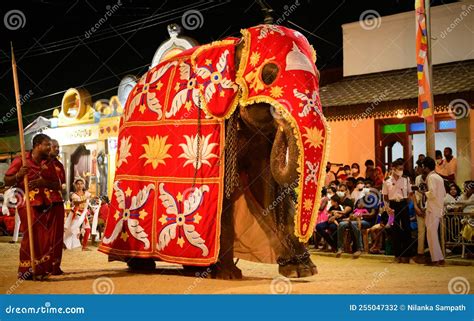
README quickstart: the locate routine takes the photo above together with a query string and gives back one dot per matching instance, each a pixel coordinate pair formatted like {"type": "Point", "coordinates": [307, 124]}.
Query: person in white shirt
{"type": "Point", "coordinates": [10, 201]}
{"type": "Point", "coordinates": [434, 209]}
{"type": "Point", "coordinates": [358, 191]}
{"type": "Point", "coordinates": [420, 184]}
{"type": "Point", "coordinates": [396, 190]}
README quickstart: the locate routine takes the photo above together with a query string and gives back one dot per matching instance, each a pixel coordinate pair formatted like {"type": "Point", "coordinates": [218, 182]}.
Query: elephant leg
{"type": "Point", "coordinates": [225, 268]}
{"type": "Point", "coordinates": [295, 262]}
{"type": "Point", "coordinates": [136, 264]}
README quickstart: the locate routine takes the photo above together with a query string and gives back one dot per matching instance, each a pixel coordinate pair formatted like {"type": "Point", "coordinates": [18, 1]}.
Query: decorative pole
{"type": "Point", "coordinates": [430, 123]}
{"type": "Point", "coordinates": [23, 159]}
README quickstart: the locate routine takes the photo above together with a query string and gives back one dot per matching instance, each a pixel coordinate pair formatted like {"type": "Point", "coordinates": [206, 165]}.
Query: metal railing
{"type": "Point", "coordinates": [452, 226]}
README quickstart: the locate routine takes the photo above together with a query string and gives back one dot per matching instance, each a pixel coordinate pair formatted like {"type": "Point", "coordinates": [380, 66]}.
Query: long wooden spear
{"type": "Point", "coordinates": [23, 159]}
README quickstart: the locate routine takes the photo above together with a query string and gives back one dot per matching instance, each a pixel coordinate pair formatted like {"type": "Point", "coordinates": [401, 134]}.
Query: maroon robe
{"type": "Point", "coordinates": [58, 222]}
{"type": "Point", "coordinates": [44, 208]}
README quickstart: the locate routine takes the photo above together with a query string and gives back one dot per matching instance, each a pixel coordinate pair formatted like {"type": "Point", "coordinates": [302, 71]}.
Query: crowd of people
{"type": "Point", "coordinates": [55, 227]}
{"type": "Point", "coordinates": [392, 211]}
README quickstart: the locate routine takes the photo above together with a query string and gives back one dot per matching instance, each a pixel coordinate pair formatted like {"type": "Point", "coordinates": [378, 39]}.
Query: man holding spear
{"type": "Point", "coordinates": [43, 184]}
{"type": "Point", "coordinates": [38, 178]}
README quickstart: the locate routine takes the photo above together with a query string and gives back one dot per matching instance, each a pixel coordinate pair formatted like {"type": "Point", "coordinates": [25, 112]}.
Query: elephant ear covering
{"type": "Point", "coordinates": [215, 70]}
{"type": "Point", "coordinates": [294, 94]}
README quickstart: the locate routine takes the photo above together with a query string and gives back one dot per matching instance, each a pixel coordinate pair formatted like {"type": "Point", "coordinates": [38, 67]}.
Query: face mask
{"type": "Point", "coordinates": [355, 170]}
{"type": "Point", "coordinates": [366, 190]}
{"type": "Point", "coordinates": [399, 173]}
{"type": "Point", "coordinates": [330, 195]}
{"type": "Point", "coordinates": [341, 194]}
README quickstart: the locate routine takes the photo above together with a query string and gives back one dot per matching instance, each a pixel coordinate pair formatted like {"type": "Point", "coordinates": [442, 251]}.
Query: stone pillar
{"type": "Point", "coordinates": [465, 148]}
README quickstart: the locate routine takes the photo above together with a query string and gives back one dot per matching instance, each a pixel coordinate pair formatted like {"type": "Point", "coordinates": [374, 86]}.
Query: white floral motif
{"type": "Point", "coordinates": [191, 153]}
{"type": "Point", "coordinates": [145, 91]}
{"type": "Point", "coordinates": [124, 151]}
{"type": "Point", "coordinates": [183, 213]}
{"type": "Point", "coordinates": [269, 29]}
{"type": "Point", "coordinates": [130, 207]}
{"type": "Point", "coordinates": [312, 170]}
{"type": "Point", "coordinates": [309, 103]}
{"type": "Point", "coordinates": [215, 79]}
{"type": "Point", "coordinates": [190, 91]}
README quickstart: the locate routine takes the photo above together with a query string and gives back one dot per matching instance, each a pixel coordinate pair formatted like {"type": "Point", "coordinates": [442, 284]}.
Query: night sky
{"type": "Point", "coordinates": [54, 53]}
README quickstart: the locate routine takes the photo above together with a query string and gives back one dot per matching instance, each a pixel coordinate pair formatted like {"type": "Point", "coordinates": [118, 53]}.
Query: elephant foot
{"type": "Point", "coordinates": [197, 271]}
{"type": "Point", "coordinates": [141, 265]}
{"type": "Point", "coordinates": [298, 269]}
{"type": "Point", "coordinates": [226, 271]}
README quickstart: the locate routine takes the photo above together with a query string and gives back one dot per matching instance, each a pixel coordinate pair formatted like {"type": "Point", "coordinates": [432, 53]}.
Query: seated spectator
{"type": "Point", "coordinates": [343, 188]}
{"type": "Point", "coordinates": [331, 191]}
{"type": "Point", "coordinates": [355, 170]}
{"type": "Point", "coordinates": [357, 193]}
{"type": "Point", "coordinates": [467, 198]}
{"type": "Point", "coordinates": [376, 233]}
{"type": "Point", "coordinates": [368, 183]}
{"type": "Point", "coordinates": [351, 182]}
{"type": "Point", "coordinates": [454, 192]}
{"type": "Point", "coordinates": [334, 184]}
{"type": "Point", "coordinates": [340, 208]}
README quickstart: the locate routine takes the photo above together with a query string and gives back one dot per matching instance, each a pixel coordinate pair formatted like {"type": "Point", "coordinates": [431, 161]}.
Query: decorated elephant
{"type": "Point", "coordinates": [220, 156]}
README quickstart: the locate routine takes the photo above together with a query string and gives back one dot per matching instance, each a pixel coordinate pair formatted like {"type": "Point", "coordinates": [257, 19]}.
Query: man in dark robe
{"type": "Point", "coordinates": [43, 181]}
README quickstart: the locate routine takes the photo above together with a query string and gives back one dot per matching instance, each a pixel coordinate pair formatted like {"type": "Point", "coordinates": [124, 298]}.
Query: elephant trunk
{"type": "Point", "coordinates": [284, 155]}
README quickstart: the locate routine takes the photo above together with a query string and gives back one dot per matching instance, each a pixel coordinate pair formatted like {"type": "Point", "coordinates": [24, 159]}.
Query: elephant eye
{"type": "Point", "coordinates": [269, 73]}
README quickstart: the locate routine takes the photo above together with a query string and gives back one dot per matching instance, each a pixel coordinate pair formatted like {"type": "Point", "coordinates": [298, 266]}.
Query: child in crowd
{"type": "Point", "coordinates": [335, 211]}
{"type": "Point", "coordinates": [359, 212]}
